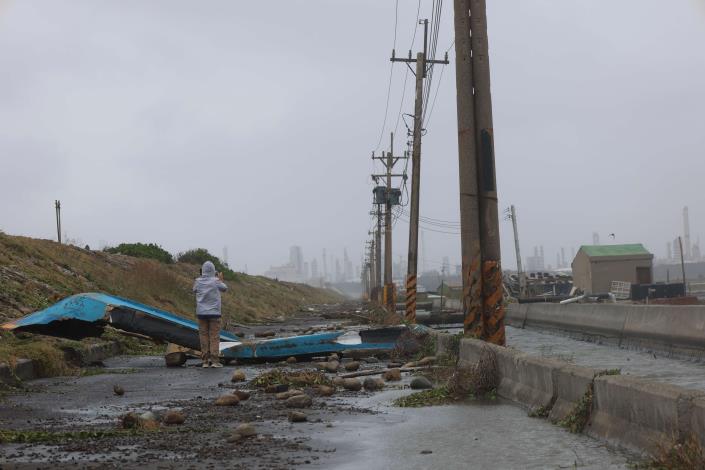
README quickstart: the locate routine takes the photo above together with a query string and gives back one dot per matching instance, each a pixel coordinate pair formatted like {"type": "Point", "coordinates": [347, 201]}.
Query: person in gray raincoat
{"type": "Point", "coordinates": [207, 288]}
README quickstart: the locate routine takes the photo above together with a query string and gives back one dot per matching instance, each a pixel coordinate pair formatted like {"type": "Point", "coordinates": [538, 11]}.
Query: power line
{"type": "Point", "coordinates": [391, 75]}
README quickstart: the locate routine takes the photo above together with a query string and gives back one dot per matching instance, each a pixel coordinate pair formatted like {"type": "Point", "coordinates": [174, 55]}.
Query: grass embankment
{"type": "Point", "coordinates": [37, 273]}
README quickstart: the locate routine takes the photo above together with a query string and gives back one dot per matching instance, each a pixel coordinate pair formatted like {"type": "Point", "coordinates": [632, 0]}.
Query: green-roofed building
{"type": "Point", "coordinates": [596, 266]}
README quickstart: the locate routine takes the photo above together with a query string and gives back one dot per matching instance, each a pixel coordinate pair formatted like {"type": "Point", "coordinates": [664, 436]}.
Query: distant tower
{"type": "Point", "coordinates": [314, 268]}
{"type": "Point", "coordinates": [296, 259]}
{"type": "Point", "coordinates": [558, 260]}
{"type": "Point", "coordinates": [687, 253]}
{"type": "Point", "coordinates": [669, 253]}
{"type": "Point", "coordinates": [563, 262]}
{"type": "Point", "coordinates": [595, 238]}
{"type": "Point", "coordinates": [225, 255]}
{"type": "Point", "coordinates": [325, 266]}
{"type": "Point", "coordinates": [338, 273]}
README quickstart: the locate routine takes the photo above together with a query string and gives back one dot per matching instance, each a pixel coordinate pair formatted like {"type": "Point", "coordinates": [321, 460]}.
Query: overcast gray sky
{"type": "Point", "coordinates": [250, 124]}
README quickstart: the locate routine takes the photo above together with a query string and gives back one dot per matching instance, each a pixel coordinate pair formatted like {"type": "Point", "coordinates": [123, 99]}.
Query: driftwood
{"type": "Point", "coordinates": [363, 373]}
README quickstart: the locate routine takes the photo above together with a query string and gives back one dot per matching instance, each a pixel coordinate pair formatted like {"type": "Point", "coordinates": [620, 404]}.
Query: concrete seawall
{"type": "Point", "coordinates": [675, 330]}
{"type": "Point", "coordinates": [623, 410]}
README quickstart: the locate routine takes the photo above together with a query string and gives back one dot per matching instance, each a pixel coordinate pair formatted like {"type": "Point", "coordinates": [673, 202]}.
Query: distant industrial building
{"type": "Point", "coordinates": [596, 266]}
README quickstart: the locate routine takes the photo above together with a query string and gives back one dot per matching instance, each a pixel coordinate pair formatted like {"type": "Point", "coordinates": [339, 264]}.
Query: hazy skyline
{"type": "Point", "coordinates": [229, 123]}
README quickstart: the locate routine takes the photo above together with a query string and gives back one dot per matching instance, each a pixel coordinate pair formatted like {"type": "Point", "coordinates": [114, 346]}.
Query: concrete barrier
{"type": "Point", "coordinates": [674, 329]}
{"type": "Point", "coordinates": [638, 414]}
{"type": "Point", "coordinates": [570, 383]}
{"type": "Point", "coordinates": [626, 411]}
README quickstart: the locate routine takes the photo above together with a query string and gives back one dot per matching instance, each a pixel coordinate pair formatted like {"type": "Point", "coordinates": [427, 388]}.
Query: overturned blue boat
{"type": "Point", "coordinates": [87, 315]}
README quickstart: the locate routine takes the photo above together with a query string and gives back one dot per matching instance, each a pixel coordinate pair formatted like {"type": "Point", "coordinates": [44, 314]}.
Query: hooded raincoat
{"type": "Point", "coordinates": [207, 288]}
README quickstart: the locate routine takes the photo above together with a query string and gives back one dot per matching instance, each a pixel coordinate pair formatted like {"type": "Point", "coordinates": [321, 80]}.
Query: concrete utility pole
{"type": "Point", "coordinates": [391, 198]}
{"type": "Point", "coordinates": [57, 206]}
{"type": "Point", "coordinates": [421, 61]}
{"type": "Point", "coordinates": [685, 282]}
{"type": "Point", "coordinates": [378, 256]}
{"type": "Point", "coordinates": [476, 142]}
{"type": "Point", "coordinates": [520, 271]}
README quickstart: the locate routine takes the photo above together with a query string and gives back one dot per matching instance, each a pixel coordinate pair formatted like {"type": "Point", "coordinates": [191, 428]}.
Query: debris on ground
{"type": "Point", "coordinates": [291, 360]}
{"type": "Point", "coordinates": [299, 401]}
{"type": "Point", "coordinates": [352, 384]}
{"type": "Point", "coordinates": [420, 383]}
{"type": "Point", "coordinates": [175, 359]}
{"type": "Point", "coordinates": [352, 366]}
{"type": "Point", "coordinates": [392, 375]}
{"type": "Point", "coordinates": [238, 376]}
{"type": "Point", "coordinates": [227, 400]}
{"type": "Point", "coordinates": [241, 432]}
{"type": "Point", "coordinates": [298, 378]}
{"type": "Point", "coordinates": [297, 417]}
{"type": "Point", "coordinates": [118, 390]}
{"type": "Point", "coordinates": [174, 417]}
{"type": "Point", "coordinates": [373, 384]}
{"type": "Point", "coordinates": [436, 396]}
{"type": "Point", "coordinates": [325, 390]}
{"type": "Point", "coordinates": [288, 394]}
{"type": "Point", "coordinates": [242, 395]}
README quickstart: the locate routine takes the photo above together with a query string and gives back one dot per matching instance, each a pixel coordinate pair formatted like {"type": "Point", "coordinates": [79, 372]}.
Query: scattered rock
{"type": "Point", "coordinates": [394, 365]}
{"type": "Point", "coordinates": [333, 357]}
{"type": "Point", "coordinates": [371, 360]}
{"type": "Point", "coordinates": [242, 395]}
{"type": "Point", "coordinates": [291, 360]}
{"type": "Point", "coordinates": [148, 416]}
{"type": "Point", "coordinates": [392, 375]}
{"type": "Point", "coordinates": [175, 359]}
{"type": "Point", "coordinates": [321, 365]}
{"type": "Point", "coordinates": [149, 424]}
{"type": "Point", "coordinates": [288, 394]}
{"type": "Point", "coordinates": [372, 384]}
{"type": "Point", "coordinates": [299, 401]}
{"type": "Point", "coordinates": [227, 400]}
{"type": "Point", "coordinates": [426, 361]}
{"type": "Point", "coordinates": [238, 376]}
{"type": "Point", "coordinates": [325, 390]}
{"type": "Point", "coordinates": [352, 366]}
{"type": "Point", "coordinates": [277, 388]}
{"type": "Point", "coordinates": [241, 432]}
{"type": "Point", "coordinates": [297, 417]}
{"type": "Point", "coordinates": [332, 366]}
{"type": "Point", "coordinates": [338, 381]}
{"type": "Point", "coordinates": [174, 417]}
{"type": "Point", "coordinates": [352, 384]}
{"type": "Point", "coordinates": [130, 421]}
{"type": "Point", "coordinates": [411, 364]}
{"type": "Point", "coordinates": [118, 390]}
{"type": "Point", "coordinates": [420, 383]}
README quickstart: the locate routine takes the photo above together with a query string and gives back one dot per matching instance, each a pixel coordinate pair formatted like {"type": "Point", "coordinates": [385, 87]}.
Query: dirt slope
{"type": "Point", "coordinates": [36, 273]}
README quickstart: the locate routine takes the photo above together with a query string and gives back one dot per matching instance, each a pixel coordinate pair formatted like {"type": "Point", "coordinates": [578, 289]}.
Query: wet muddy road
{"type": "Point", "coordinates": [346, 431]}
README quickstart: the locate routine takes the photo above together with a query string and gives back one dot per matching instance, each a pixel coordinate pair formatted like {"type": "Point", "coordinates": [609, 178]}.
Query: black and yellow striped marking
{"type": "Point", "coordinates": [410, 315]}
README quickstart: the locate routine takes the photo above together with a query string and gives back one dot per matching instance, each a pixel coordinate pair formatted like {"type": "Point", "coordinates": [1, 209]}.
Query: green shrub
{"type": "Point", "coordinates": [199, 256]}
{"type": "Point", "coordinates": [143, 250]}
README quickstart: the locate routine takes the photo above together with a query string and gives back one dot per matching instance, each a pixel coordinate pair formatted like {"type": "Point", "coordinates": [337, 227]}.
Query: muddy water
{"type": "Point", "coordinates": [682, 372]}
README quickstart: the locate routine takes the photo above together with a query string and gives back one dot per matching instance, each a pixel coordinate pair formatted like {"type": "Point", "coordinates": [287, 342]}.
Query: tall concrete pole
{"type": "Point", "coordinates": [469, 202]}
{"type": "Point", "coordinates": [378, 255]}
{"type": "Point", "coordinates": [57, 206]}
{"type": "Point", "coordinates": [389, 300]}
{"type": "Point", "coordinates": [492, 287]}
{"type": "Point", "coordinates": [520, 271]}
{"type": "Point", "coordinates": [413, 259]}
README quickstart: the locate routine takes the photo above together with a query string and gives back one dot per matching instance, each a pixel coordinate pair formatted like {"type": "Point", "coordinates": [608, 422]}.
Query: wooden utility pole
{"type": "Point", "coordinates": [476, 158]}
{"type": "Point", "coordinates": [421, 68]}
{"type": "Point", "coordinates": [57, 206]}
